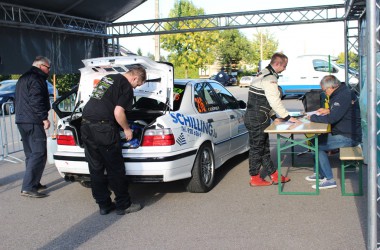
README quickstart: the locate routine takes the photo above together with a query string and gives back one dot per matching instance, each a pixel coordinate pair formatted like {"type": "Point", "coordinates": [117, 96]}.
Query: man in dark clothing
{"type": "Point", "coordinates": [102, 117]}
{"type": "Point", "coordinates": [344, 116]}
{"type": "Point", "coordinates": [32, 106]}
{"type": "Point", "coordinates": [222, 77]}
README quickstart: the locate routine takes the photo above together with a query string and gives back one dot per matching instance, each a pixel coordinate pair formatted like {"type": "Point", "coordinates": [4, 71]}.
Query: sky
{"type": "Point", "coordinates": [294, 40]}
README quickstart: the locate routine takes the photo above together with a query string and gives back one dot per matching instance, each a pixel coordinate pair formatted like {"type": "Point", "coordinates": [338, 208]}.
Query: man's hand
{"type": "Point", "coordinates": [128, 134]}
{"type": "Point", "coordinates": [291, 119]}
{"type": "Point", "coordinates": [46, 124]}
{"type": "Point", "coordinates": [294, 120]}
{"type": "Point", "coordinates": [278, 120]}
{"type": "Point", "coordinates": [323, 111]}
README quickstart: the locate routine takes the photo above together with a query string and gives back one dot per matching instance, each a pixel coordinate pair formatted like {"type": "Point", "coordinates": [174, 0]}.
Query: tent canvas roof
{"type": "Point", "coordinates": [107, 11]}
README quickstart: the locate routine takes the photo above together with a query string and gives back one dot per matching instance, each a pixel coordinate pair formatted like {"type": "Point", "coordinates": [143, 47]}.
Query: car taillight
{"type": "Point", "coordinates": [65, 137]}
{"type": "Point", "coordinates": [158, 137]}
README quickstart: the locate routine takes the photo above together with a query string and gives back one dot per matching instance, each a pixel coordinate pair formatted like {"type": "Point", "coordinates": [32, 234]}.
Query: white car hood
{"type": "Point", "coordinates": [159, 84]}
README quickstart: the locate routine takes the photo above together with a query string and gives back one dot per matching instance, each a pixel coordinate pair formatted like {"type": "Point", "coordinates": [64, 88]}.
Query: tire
{"type": "Point", "coordinates": [203, 173]}
{"type": "Point", "coordinates": [10, 109]}
{"type": "Point", "coordinates": [86, 184]}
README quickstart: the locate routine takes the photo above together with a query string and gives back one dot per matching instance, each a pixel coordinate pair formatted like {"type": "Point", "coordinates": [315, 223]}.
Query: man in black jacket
{"type": "Point", "coordinates": [344, 116]}
{"type": "Point", "coordinates": [32, 106]}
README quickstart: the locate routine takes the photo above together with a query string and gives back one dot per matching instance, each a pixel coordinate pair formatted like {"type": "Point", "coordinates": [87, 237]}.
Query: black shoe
{"type": "Point", "coordinates": [33, 194]}
{"type": "Point", "coordinates": [107, 210]}
{"type": "Point", "coordinates": [41, 187]}
{"type": "Point", "coordinates": [131, 209]}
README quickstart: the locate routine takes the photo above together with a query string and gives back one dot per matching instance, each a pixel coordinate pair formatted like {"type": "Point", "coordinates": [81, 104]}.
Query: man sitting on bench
{"type": "Point", "coordinates": [344, 116]}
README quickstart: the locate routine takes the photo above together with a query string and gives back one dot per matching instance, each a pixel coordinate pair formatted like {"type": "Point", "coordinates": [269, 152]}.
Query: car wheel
{"type": "Point", "coordinates": [203, 172]}
{"type": "Point", "coordinates": [10, 108]}
{"type": "Point", "coordinates": [86, 184]}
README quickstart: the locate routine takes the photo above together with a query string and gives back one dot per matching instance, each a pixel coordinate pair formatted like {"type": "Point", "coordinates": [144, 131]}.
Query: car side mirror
{"type": "Point", "coordinates": [242, 104]}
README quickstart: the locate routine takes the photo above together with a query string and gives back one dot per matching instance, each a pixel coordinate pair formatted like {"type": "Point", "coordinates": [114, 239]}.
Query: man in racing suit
{"type": "Point", "coordinates": [264, 103]}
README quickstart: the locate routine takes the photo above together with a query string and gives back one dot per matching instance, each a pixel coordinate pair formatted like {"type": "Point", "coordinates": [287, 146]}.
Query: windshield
{"type": "Point", "coordinates": [153, 104]}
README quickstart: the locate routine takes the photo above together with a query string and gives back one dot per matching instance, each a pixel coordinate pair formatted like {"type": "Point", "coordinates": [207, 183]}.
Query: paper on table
{"type": "Point", "coordinates": [312, 113]}
{"type": "Point", "coordinates": [304, 120]}
{"type": "Point", "coordinates": [297, 114]}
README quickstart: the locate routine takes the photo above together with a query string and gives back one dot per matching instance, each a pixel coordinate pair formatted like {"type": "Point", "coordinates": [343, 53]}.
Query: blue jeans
{"type": "Point", "coordinates": [329, 142]}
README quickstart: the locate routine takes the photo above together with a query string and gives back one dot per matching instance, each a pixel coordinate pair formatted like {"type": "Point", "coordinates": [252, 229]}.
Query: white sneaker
{"type": "Point", "coordinates": [313, 178]}
{"type": "Point", "coordinates": [326, 184]}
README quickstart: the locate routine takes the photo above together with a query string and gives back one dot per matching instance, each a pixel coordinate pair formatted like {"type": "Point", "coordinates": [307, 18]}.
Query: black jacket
{"type": "Point", "coordinates": [344, 114]}
{"type": "Point", "coordinates": [32, 102]}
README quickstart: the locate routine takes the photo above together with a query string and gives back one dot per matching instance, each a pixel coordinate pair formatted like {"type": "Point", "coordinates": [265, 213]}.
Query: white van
{"type": "Point", "coordinates": [304, 73]}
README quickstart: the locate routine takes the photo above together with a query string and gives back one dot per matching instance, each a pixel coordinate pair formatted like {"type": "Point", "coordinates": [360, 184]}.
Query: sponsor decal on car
{"type": "Point", "coordinates": [181, 140]}
{"type": "Point", "coordinates": [200, 105]}
{"type": "Point", "coordinates": [193, 125]}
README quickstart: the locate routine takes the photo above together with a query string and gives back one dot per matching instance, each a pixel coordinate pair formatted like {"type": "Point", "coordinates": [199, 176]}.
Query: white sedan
{"type": "Point", "coordinates": [183, 129]}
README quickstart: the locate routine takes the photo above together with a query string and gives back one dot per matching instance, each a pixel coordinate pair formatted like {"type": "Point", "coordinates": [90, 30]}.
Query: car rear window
{"type": "Point", "coordinates": [178, 92]}
{"type": "Point", "coordinates": [146, 103]}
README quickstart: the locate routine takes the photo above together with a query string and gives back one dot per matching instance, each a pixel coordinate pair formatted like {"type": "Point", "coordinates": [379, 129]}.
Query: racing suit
{"type": "Point", "coordinates": [264, 103]}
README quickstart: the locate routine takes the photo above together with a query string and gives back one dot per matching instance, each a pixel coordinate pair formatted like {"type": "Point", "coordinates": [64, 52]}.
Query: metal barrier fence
{"type": "Point", "coordinates": [10, 138]}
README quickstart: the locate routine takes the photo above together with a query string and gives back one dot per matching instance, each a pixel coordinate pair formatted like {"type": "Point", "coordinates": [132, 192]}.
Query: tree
{"type": "Point", "coordinates": [150, 55]}
{"type": "Point", "coordinates": [352, 58]}
{"type": "Point", "coordinates": [9, 77]}
{"type": "Point", "coordinates": [65, 82]}
{"type": "Point", "coordinates": [233, 47]}
{"type": "Point", "coordinates": [263, 44]}
{"type": "Point", "coordinates": [139, 52]}
{"type": "Point", "coordinates": [191, 50]}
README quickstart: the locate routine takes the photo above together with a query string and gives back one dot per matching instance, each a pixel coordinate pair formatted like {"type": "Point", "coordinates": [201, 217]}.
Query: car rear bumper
{"type": "Point", "coordinates": [153, 168]}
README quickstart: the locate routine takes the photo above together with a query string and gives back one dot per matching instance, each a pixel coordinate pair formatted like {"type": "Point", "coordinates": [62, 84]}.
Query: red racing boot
{"type": "Point", "coordinates": [256, 181]}
{"type": "Point", "coordinates": [274, 178]}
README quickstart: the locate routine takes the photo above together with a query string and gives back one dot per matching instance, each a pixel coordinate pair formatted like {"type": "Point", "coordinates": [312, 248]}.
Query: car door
{"type": "Point", "coordinates": [210, 110]}
{"type": "Point", "coordinates": [235, 118]}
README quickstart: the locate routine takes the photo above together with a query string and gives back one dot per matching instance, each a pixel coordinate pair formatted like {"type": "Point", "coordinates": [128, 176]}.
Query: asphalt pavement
{"type": "Point", "coordinates": [231, 216]}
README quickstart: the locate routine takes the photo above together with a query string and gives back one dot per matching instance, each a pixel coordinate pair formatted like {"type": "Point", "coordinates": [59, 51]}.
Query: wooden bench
{"type": "Point", "coordinates": [351, 157]}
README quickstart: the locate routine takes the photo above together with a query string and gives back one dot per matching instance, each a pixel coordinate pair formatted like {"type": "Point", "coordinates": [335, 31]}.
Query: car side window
{"type": "Point", "coordinates": [228, 100]}
{"type": "Point", "coordinates": [205, 99]}
{"type": "Point", "coordinates": [177, 96]}
{"type": "Point", "coordinates": [323, 66]}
